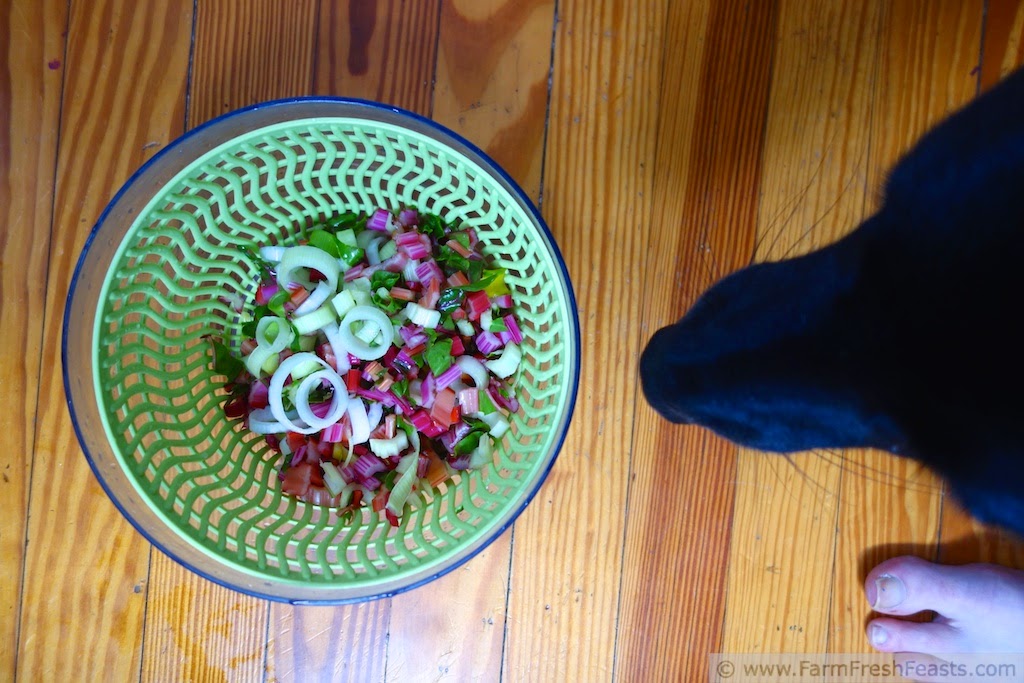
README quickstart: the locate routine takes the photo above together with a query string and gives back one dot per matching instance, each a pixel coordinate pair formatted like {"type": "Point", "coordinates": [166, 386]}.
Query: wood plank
{"type": "Point", "coordinates": [86, 568]}
{"type": "Point", "coordinates": [926, 68]}
{"type": "Point", "coordinates": [812, 186]}
{"type": "Point", "coordinates": [358, 55]}
{"type": "Point", "coordinates": [249, 52]}
{"type": "Point", "coordinates": [243, 53]}
{"type": "Point", "coordinates": [31, 74]}
{"type": "Point", "coordinates": [714, 96]}
{"type": "Point", "coordinates": [196, 630]}
{"type": "Point", "coordinates": [328, 643]}
{"type": "Point", "coordinates": [453, 629]}
{"type": "Point", "coordinates": [492, 80]}
{"type": "Point", "coordinates": [566, 567]}
{"type": "Point", "coordinates": [381, 51]}
{"type": "Point", "coordinates": [965, 540]}
{"type": "Point", "coordinates": [1002, 48]}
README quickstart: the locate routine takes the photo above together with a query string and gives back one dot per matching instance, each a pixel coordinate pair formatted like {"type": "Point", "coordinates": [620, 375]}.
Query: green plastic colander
{"type": "Point", "coordinates": [154, 279]}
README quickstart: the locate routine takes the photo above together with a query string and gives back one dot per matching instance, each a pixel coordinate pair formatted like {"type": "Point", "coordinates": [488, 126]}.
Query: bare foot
{"type": "Point", "coordinates": [980, 607]}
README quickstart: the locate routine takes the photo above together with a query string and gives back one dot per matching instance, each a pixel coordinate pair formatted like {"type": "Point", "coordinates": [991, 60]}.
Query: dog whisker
{"type": "Point", "coordinates": [875, 474]}
{"type": "Point", "coordinates": [792, 205]}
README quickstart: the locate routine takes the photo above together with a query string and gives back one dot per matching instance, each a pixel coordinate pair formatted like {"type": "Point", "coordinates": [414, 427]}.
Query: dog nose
{"type": "Point", "coordinates": [656, 378]}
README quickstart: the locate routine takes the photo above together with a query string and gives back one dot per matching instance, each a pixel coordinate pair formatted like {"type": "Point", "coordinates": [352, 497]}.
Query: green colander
{"type": "Point", "coordinates": [157, 276]}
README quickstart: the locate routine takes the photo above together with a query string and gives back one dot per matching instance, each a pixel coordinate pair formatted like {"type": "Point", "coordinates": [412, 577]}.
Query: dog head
{"type": "Point", "coordinates": [901, 336]}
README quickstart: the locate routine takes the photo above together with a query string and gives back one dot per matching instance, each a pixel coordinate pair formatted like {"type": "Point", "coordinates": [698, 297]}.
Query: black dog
{"type": "Point", "coordinates": [902, 336]}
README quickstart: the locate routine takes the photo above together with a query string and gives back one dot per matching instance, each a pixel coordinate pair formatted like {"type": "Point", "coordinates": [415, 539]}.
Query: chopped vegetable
{"type": "Point", "coordinates": [378, 358]}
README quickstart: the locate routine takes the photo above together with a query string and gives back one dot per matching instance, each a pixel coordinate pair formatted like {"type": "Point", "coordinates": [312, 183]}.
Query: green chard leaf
{"type": "Point", "coordinates": [451, 298]}
{"type": "Point", "coordinates": [224, 362]}
{"type": "Point", "coordinates": [439, 355]}
{"type": "Point", "coordinates": [350, 255]}
{"type": "Point", "coordinates": [484, 280]}
{"type": "Point", "coordinates": [277, 302]}
{"type": "Point", "coordinates": [346, 221]}
{"type": "Point", "coordinates": [322, 239]}
{"type": "Point", "coordinates": [433, 225]}
{"type": "Point", "coordinates": [383, 278]}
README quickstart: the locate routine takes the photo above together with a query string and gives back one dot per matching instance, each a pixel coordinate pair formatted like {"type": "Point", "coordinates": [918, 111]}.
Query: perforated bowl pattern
{"type": "Point", "coordinates": [159, 276]}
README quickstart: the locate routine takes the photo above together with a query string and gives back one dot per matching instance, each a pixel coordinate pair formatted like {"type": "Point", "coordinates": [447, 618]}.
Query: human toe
{"type": "Point", "coordinates": [894, 635]}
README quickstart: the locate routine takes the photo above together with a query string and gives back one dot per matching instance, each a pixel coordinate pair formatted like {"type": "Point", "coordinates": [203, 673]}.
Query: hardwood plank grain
{"type": "Point", "coordinates": [244, 53]}
{"type": "Point", "coordinates": [714, 94]}
{"type": "Point", "coordinates": [31, 74]}
{"type": "Point", "coordinates": [198, 634]}
{"type": "Point", "coordinates": [816, 135]}
{"type": "Point", "coordinates": [382, 50]}
{"type": "Point", "coordinates": [492, 80]}
{"type": "Point", "coordinates": [196, 630]}
{"type": "Point", "coordinates": [453, 629]}
{"type": "Point", "coordinates": [966, 540]}
{"type": "Point", "coordinates": [378, 51]}
{"type": "Point", "coordinates": [85, 567]}
{"type": "Point", "coordinates": [328, 643]}
{"type": "Point", "coordinates": [889, 507]}
{"type": "Point", "coordinates": [249, 52]}
{"type": "Point", "coordinates": [1002, 47]}
{"type": "Point", "coordinates": [927, 59]}
{"type": "Point", "coordinates": [813, 181]}
{"type": "Point", "coordinates": [600, 152]}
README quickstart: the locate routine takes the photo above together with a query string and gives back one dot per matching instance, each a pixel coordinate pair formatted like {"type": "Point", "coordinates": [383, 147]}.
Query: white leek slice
{"type": "Point", "coordinates": [347, 237]}
{"type": "Point", "coordinates": [362, 297]}
{"type": "Point", "coordinates": [358, 420]}
{"type": "Point", "coordinates": [370, 241]}
{"type": "Point", "coordinates": [333, 480]}
{"type": "Point", "coordinates": [482, 454]}
{"type": "Point", "coordinates": [266, 347]}
{"type": "Point", "coordinates": [400, 491]}
{"type": "Point", "coordinates": [338, 346]}
{"type": "Point", "coordinates": [272, 254]}
{"type": "Point", "coordinates": [364, 238]}
{"type": "Point", "coordinates": [424, 317]}
{"type": "Point", "coordinates": [386, 448]}
{"type": "Point", "coordinates": [374, 415]}
{"type": "Point", "coordinates": [507, 363]}
{"type": "Point", "coordinates": [261, 421]}
{"type": "Point", "coordinates": [409, 271]}
{"type": "Point", "coordinates": [311, 322]}
{"type": "Point", "coordinates": [339, 401]}
{"type": "Point", "coordinates": [408, 460]}
{"type": "Point", "coordinates": [356, 346]}
{"type": "Point", "coordinates": [307, 257]}
{"type": "Point", "coordinates": [387, 250]}
{"type": "Point", "coordinates": [303, 369]}
{"type": "Point", "coordinates": [343, 303]}
{"type": "Point", "coordinates": [338, 405]}
{"type": "Point", "coordinates": [315, 300]}
{"type": "Point", "coordinates": [367, 332]}
{"type": "Point", "coordinates": [475, 369]}
{"type": "Point", "coordinates": [360, 284]}
{"type": "Point", "coordinates": [257, 358]}
{"type": "Point", "coordinates": [497, 422]}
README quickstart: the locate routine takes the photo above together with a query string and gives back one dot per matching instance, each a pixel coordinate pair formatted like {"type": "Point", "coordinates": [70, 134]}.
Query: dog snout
{"type": "Point", "coordinates": [657, 376]}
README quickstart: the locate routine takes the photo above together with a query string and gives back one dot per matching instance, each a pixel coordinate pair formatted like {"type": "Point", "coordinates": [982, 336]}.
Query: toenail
{"type": "Point", "coordinates": [890, 592]}
{"type": "Point", "coordinates": [878, 635]}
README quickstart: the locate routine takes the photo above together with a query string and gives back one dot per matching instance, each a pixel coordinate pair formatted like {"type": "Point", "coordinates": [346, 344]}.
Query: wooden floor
{"type": "Point", "coordinates": [668, 142]}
